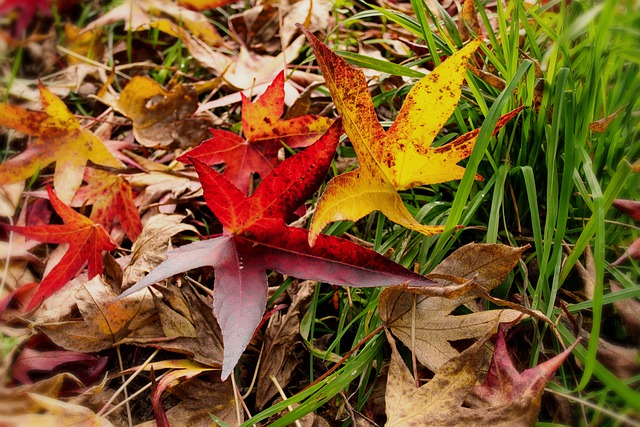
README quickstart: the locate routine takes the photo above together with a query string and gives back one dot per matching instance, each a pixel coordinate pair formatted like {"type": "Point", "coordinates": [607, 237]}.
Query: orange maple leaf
{"type": "Point", "coordinates": [86, 241]}
{"type": "Point", "coordinates": [265, 132]}
{"type": "Point", "coordinates": [112, 200]}
{"type": "Point", "coordinates": [401, 157]}
{"type": "Point", "coordinates": [61, 139]}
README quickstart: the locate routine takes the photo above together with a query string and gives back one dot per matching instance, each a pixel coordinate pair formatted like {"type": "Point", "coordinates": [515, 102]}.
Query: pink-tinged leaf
{"type": "Point", "coordinates": [633, 251]}
{"type": "Point", "coordinates": [86, 241]}
{"type": "Point", "coordinates": [265, 134]}
{"type": "Point", "coordinates": [257, 239]}
{"type": "Point", "coordinates": [28, 10]}
{"type": "Point", "coordinates": [504, 384]}
{"type": "Point", "coordinates": [40, 357]}
{"type": "Point", "coordinates": [630, 207]}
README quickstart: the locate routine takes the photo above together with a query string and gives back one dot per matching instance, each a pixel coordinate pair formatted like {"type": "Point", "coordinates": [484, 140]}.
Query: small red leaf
{"type": "Point", "coordinates": [86, 242]}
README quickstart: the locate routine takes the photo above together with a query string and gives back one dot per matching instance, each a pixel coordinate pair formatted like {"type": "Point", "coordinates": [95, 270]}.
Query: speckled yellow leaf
{"type": "Point", "coordinates": [400, 158]}
{"type": "Point", "coordinates": [61, 139]}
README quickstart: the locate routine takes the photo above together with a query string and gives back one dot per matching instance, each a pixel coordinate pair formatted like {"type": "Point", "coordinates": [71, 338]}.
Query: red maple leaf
{"type": "Point", "coordinates": [86, 241]}
{"type": "Point", "coordinates": [256, 238]}
{"type": "Point", "coordinates": [111, 197]}
{"type": "Point", "coordinates": [28, 10]}
{"type": "Point", "coordinates": [265, 133]}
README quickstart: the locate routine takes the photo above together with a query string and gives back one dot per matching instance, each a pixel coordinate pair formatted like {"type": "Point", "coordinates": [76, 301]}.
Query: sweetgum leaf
{"type": "Point", "coordinates": [61, 139]}
{"type": "Point", "coordinates": [256, 238]}
{"type": "Point", "coordinates": [400, 158]}
{"type": "Point", "coordinates": [265, 133]}
{"type": "Point", "coordinates": [86, 241]}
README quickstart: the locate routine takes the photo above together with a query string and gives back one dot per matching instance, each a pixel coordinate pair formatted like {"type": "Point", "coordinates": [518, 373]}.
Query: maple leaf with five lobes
{"type": "Point", "coordinates": [400, 158]}
{"type": "Point", "coordinates": [112, 199]}
{"type": "Point", "coordinates": [256, 238]}
{"type": "Point", "coordinates": [265, 134]}
{"type": "Point", "coordinates": [61, 139]}
{"type": "Point", "coordinates": [86, 241]}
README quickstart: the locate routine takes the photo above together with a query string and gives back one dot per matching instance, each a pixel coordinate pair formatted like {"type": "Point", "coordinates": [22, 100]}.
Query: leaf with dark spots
{"type": "Point", "coordinates": [401, 157]}
{"type": "Point", "coordinates": [265, 134]}
{"type": "Point", "coordinates": [256, 239]}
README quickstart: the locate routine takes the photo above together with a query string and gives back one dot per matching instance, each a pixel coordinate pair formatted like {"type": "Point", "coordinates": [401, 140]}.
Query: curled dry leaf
{"type": "Point", "coordinates": [151, 247]}
{"type": "Point", "coordinates": [429, 320]}
{"type": "Point", "coordinates": [629, 312]}
{"type": "Point", "coordinates": [509, 398]}
{"type": "Point", "coordinates": [160, 117]}
{"type": "Point", "coordinates": [102, 323]}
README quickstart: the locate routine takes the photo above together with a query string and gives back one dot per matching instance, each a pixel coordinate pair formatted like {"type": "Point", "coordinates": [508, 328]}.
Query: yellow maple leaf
{"type": "Point", "coordinates": [400, 158]}
{"type": "Point", "coordinates": [61, 139]}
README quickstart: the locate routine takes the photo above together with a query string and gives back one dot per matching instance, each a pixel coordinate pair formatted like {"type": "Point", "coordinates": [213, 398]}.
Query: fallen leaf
{"type": "Point", "coordinates": [439, 402]}
{"type": "Point", "coordinates": [265, 134]}
{"type": "Point", "coordinates": [54, 413]}
{"type": "Point", "coordinates": [281, 339]}
{"type": "Point", "coordinates": [61, 139]}
{"type": "Point", "coordinates": [509, 398]}
{"type": "Point", "coordinates": [159, 116]}
{"type": "Point", "coordinates": [181, 370]}
{"type": "Point", "coordinates": [102, 323]}
{"type": "Point", "coordinates": [10, 197]}
{"type": "Point", "coordinates": [256, 238]}
{"type": "Point", "coordinates": [425, 322]}
{"type": "Point", "coordinates": [400, 158]}
{"type": "Point", "coordinates": [37, 358]}
{"type": "Point", "coordinates": [630, 207]}
{"type": "Point", "coordinates": [112, 200]}
{"type": "Point", "coordinates": [202, 398]}
{"type": "Point", "coordinates": [28, 10]}
{"type": "Point", "coordinates": [629, 312]}
{"type": "Point", "coordinates": [204, 4]}
{"type": "Point", "coordinates": [86, 242]}
{"type": "Point", "coordinates": [513, 398]}
{"type": "Point", "coordinates": [602, 125]}
{"type": "Point", "coordinates": [165, 15]}
{"type": "Point", "coordinates": [150, 249]}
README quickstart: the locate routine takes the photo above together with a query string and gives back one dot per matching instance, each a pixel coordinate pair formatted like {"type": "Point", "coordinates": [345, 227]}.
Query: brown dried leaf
{"type": "Point", "coordinates": [200, 399]}
{"type": "Point", "coordinates": [103, 324]}
{"type": "Point", "coordinates": [280, 341]}
{"type": "Point", "coordinates": [149, 249]}
{"type": "Point", "coordinates": [629, 313]}
{"type": "Point", "coordinates": [425, 322]}
{"type": "Point", "coordinates": [602, 124]}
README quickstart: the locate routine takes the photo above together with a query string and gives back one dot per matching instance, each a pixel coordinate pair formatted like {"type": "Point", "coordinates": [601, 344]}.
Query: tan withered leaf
{"type": "Point", "coordinates": [439, 402]}
{"type": "Point", "coordinates": [149, 249]}
{"type": "Point", "coordinates": [102, 324]}
{"type": "Point", "coordinates": [202, 398]}
{"type": "Point", "coordinates": [159, 116]}
{"type": "Point", "coordinates": [429, 319]}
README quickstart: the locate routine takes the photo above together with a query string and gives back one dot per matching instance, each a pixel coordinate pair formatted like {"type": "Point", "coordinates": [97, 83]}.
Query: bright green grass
{"type": "Point", "coordinates": [550, 182]}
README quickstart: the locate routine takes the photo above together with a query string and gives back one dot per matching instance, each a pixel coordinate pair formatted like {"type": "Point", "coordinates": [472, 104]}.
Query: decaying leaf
{"type": "Point", "coordinates": [160, 117]}
{"type": "Point", "coordinates": [400, 158]}
{"type": "Point", "coordinates": [264, 134]}
{"type": "Point", "coordinates": [102, 322]}
{"type": "Point", "coordinates": [61, 139]}
{"type": "Point", "coordinates": [509, 398]}
{"type": "Point", "coordinates": [631, 208]}
{"type": "Point", "coordinates": [629, 312]}
{"type": "Point", "coordinates": [280, 341]}
{"type": "Point", "coordinates": [86, 241]}
{"type": "Point", "coordinates": [200, 400]}
{"type": "Point", "coordinates": [425, 322]}
{"type": "Point", "coordinates": [256, 238]}
{"type": "Point", "coordinates": [150, 248]}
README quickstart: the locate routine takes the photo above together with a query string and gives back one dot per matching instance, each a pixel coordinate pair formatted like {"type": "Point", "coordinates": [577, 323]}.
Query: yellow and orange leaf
{"type": "Point", "coordinates": [61, 139]}
{"type": "Point", "coordinates": [400, 158]}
